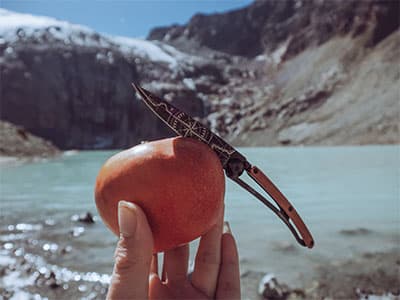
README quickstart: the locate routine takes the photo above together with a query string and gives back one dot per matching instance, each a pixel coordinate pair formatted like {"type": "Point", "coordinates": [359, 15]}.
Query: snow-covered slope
{"type": "Point", "coordinates": [15, 27]}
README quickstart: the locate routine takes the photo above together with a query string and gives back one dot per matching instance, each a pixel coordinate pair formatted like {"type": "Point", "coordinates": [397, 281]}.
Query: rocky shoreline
{"type": "Point", "coordinates": [365, 276]}
{"type": "Point", "coordinates": [32, 256]}
{"type": "Point", "coordinates": [17, 144]}
{"type": "Point", "coordinates": [32, 266]}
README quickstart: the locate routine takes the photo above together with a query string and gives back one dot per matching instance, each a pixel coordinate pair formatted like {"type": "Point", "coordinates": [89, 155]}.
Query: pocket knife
{"type": "Point", "coordinates": [233, 162]}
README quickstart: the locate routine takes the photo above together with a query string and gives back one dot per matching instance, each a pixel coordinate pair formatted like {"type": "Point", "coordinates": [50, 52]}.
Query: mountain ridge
{"type": "Point", "coordinates": [265, 25]}
{"type": "Point", "coordinates": [71, 85]}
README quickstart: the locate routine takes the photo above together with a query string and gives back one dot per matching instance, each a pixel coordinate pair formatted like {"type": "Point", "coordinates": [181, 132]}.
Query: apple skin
{"type": "Point", "coordinates": [178, 182]}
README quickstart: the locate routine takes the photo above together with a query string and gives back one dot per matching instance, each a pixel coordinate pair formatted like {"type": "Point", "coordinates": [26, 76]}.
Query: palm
{"type": "Point", "coordinates": [185, 290]}
{"type": "Point", "coordinates": [215, 275]}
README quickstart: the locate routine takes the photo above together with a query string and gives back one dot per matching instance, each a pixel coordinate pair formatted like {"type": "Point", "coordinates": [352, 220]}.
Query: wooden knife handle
{"type": "Point", "coordinates": [283, 202]}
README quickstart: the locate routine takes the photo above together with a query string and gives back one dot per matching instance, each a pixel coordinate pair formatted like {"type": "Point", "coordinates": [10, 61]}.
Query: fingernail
{"type": "Point", "coordinates": [227, 227]}
{"type": "Point", "coordinates": [126, 218]}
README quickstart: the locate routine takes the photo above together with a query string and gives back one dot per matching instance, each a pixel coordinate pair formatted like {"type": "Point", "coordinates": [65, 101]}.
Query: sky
{"type": "Point", "coordinates": [133, 18]}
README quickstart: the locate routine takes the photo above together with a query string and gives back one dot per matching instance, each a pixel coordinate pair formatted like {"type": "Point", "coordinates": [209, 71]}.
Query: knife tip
{"type": "Point", "coordinates": [135, 86]}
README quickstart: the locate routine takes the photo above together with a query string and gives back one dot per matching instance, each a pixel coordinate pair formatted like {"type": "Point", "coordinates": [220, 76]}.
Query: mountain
{"type": "Point", "coordinates": [71, 85]}
{"type": "Point", "coordinates": [318, 72]}
{"type": "Point", "coordinates": [273, 73]}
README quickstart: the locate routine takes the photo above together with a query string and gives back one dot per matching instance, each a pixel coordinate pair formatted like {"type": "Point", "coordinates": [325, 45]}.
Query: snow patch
{"type": "Point", "coordinates": [144, 49]}
{"type": "Point", "coordinates": [189, 83]}
{"type": "Point", "coordinates": [16, 26]}
{"type": "Point", "coordinates": [12, 20]}
{"type": "Point", "coordinates": [261, 57]}
{"type": "Point", "coordinates": [279, 53]}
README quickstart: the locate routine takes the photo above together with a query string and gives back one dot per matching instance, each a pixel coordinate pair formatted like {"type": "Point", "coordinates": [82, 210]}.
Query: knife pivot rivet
{"type": "Point", "coordinates": [255, 170]}
{"type": "Point", "coordinates": [290, 208]}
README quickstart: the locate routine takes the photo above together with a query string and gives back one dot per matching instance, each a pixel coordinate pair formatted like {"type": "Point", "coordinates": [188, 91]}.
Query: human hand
{"type": "Point", "coordinates": [135, 276]}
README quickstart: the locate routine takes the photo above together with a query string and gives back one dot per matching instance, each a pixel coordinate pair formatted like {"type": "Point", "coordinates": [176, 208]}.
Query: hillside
{"type": "Point", "coordinates": [297, 72]}
{"type": "Point", "coordinates": [318, 72]}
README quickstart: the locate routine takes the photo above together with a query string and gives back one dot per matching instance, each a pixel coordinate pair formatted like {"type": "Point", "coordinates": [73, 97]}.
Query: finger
{"type": "Point", "coordinates": [208, 257]}
{"type": "Point", "coordinates": [229, 275]}
{"type": "Point", "coordinates": [176, 264]}
{"type": "Point", "coordinates": [133, 254]}
{"type": "Point", "coordinates": [158, 290]}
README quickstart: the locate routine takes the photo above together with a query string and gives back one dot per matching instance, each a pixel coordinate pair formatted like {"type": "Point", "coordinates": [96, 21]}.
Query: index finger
{"type": "Point", "coordinates": [208, 259]}
{"type": "Point", "coordinates": [133, 254]}
{"type": "Point", "coordinates": [229, 274]}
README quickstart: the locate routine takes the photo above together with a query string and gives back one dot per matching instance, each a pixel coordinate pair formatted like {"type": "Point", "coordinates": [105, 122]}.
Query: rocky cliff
{"type": "Point", "coordinates": [317, 72]}
{"type": "Point", "coordinates": [286, 72]}
{"type": "Point", "coordinates": [17, 142]}
{"type": "Point", "coordinates": [264, 25]}
{"type": "Point", "coordinates": [71, 85]}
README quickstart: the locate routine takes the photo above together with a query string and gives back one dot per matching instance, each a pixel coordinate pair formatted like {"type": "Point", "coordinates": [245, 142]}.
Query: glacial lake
{"type": "Point", "coordinates": [348, 196]}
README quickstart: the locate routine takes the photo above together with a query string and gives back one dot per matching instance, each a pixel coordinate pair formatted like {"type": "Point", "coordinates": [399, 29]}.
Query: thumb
{"type": "Point", "coordinates": [133, 254]}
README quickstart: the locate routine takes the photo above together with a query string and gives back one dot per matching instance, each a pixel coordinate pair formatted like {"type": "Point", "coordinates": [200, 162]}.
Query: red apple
{"type": "Point", "coordinates": [178, 182]}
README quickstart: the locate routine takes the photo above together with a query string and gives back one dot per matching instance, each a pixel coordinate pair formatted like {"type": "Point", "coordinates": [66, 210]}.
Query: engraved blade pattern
{"type": "Point", "coordinates": [185, 125]}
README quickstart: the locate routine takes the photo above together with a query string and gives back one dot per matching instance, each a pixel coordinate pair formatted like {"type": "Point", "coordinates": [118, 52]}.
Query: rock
{"type": "Point", "coordinates": [52, 281]}
{"type": "Point", "coordinates": [267, 25]}
{"type": "Point", "coordinates": [6, 293]}
{"type": "Point", "coordinates": [83, 218]}
{"type": "Point", "coordinates": [357, 231]}
{"type": "Point", "coordinates": [65, 250]}
{"type": "Point", "coordinates": [270, 288]}
{"type": "Point", "coordinates": [86, 218]}
{"type": "Point", "coordinates": [361, 276]}
{"type": "Point", "coordinates": [17, 141]}
{"type": "Point", "coordinates": [3, 271]}
{"type": "Point", "coordinates": [287, 247]}
{"type": "Point", "coordinates": [77, 231]}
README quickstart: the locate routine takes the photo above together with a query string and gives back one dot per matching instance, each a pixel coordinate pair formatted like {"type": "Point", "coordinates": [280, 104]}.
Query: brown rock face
{"type": "Point", "coordinates": [61, 94]}
{"type": "Point", "coordinates": [264, 25]}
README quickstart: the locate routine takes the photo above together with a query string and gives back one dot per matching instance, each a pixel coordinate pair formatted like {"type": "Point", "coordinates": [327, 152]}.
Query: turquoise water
{"type": "Point", "coordinates": [333, 189]}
